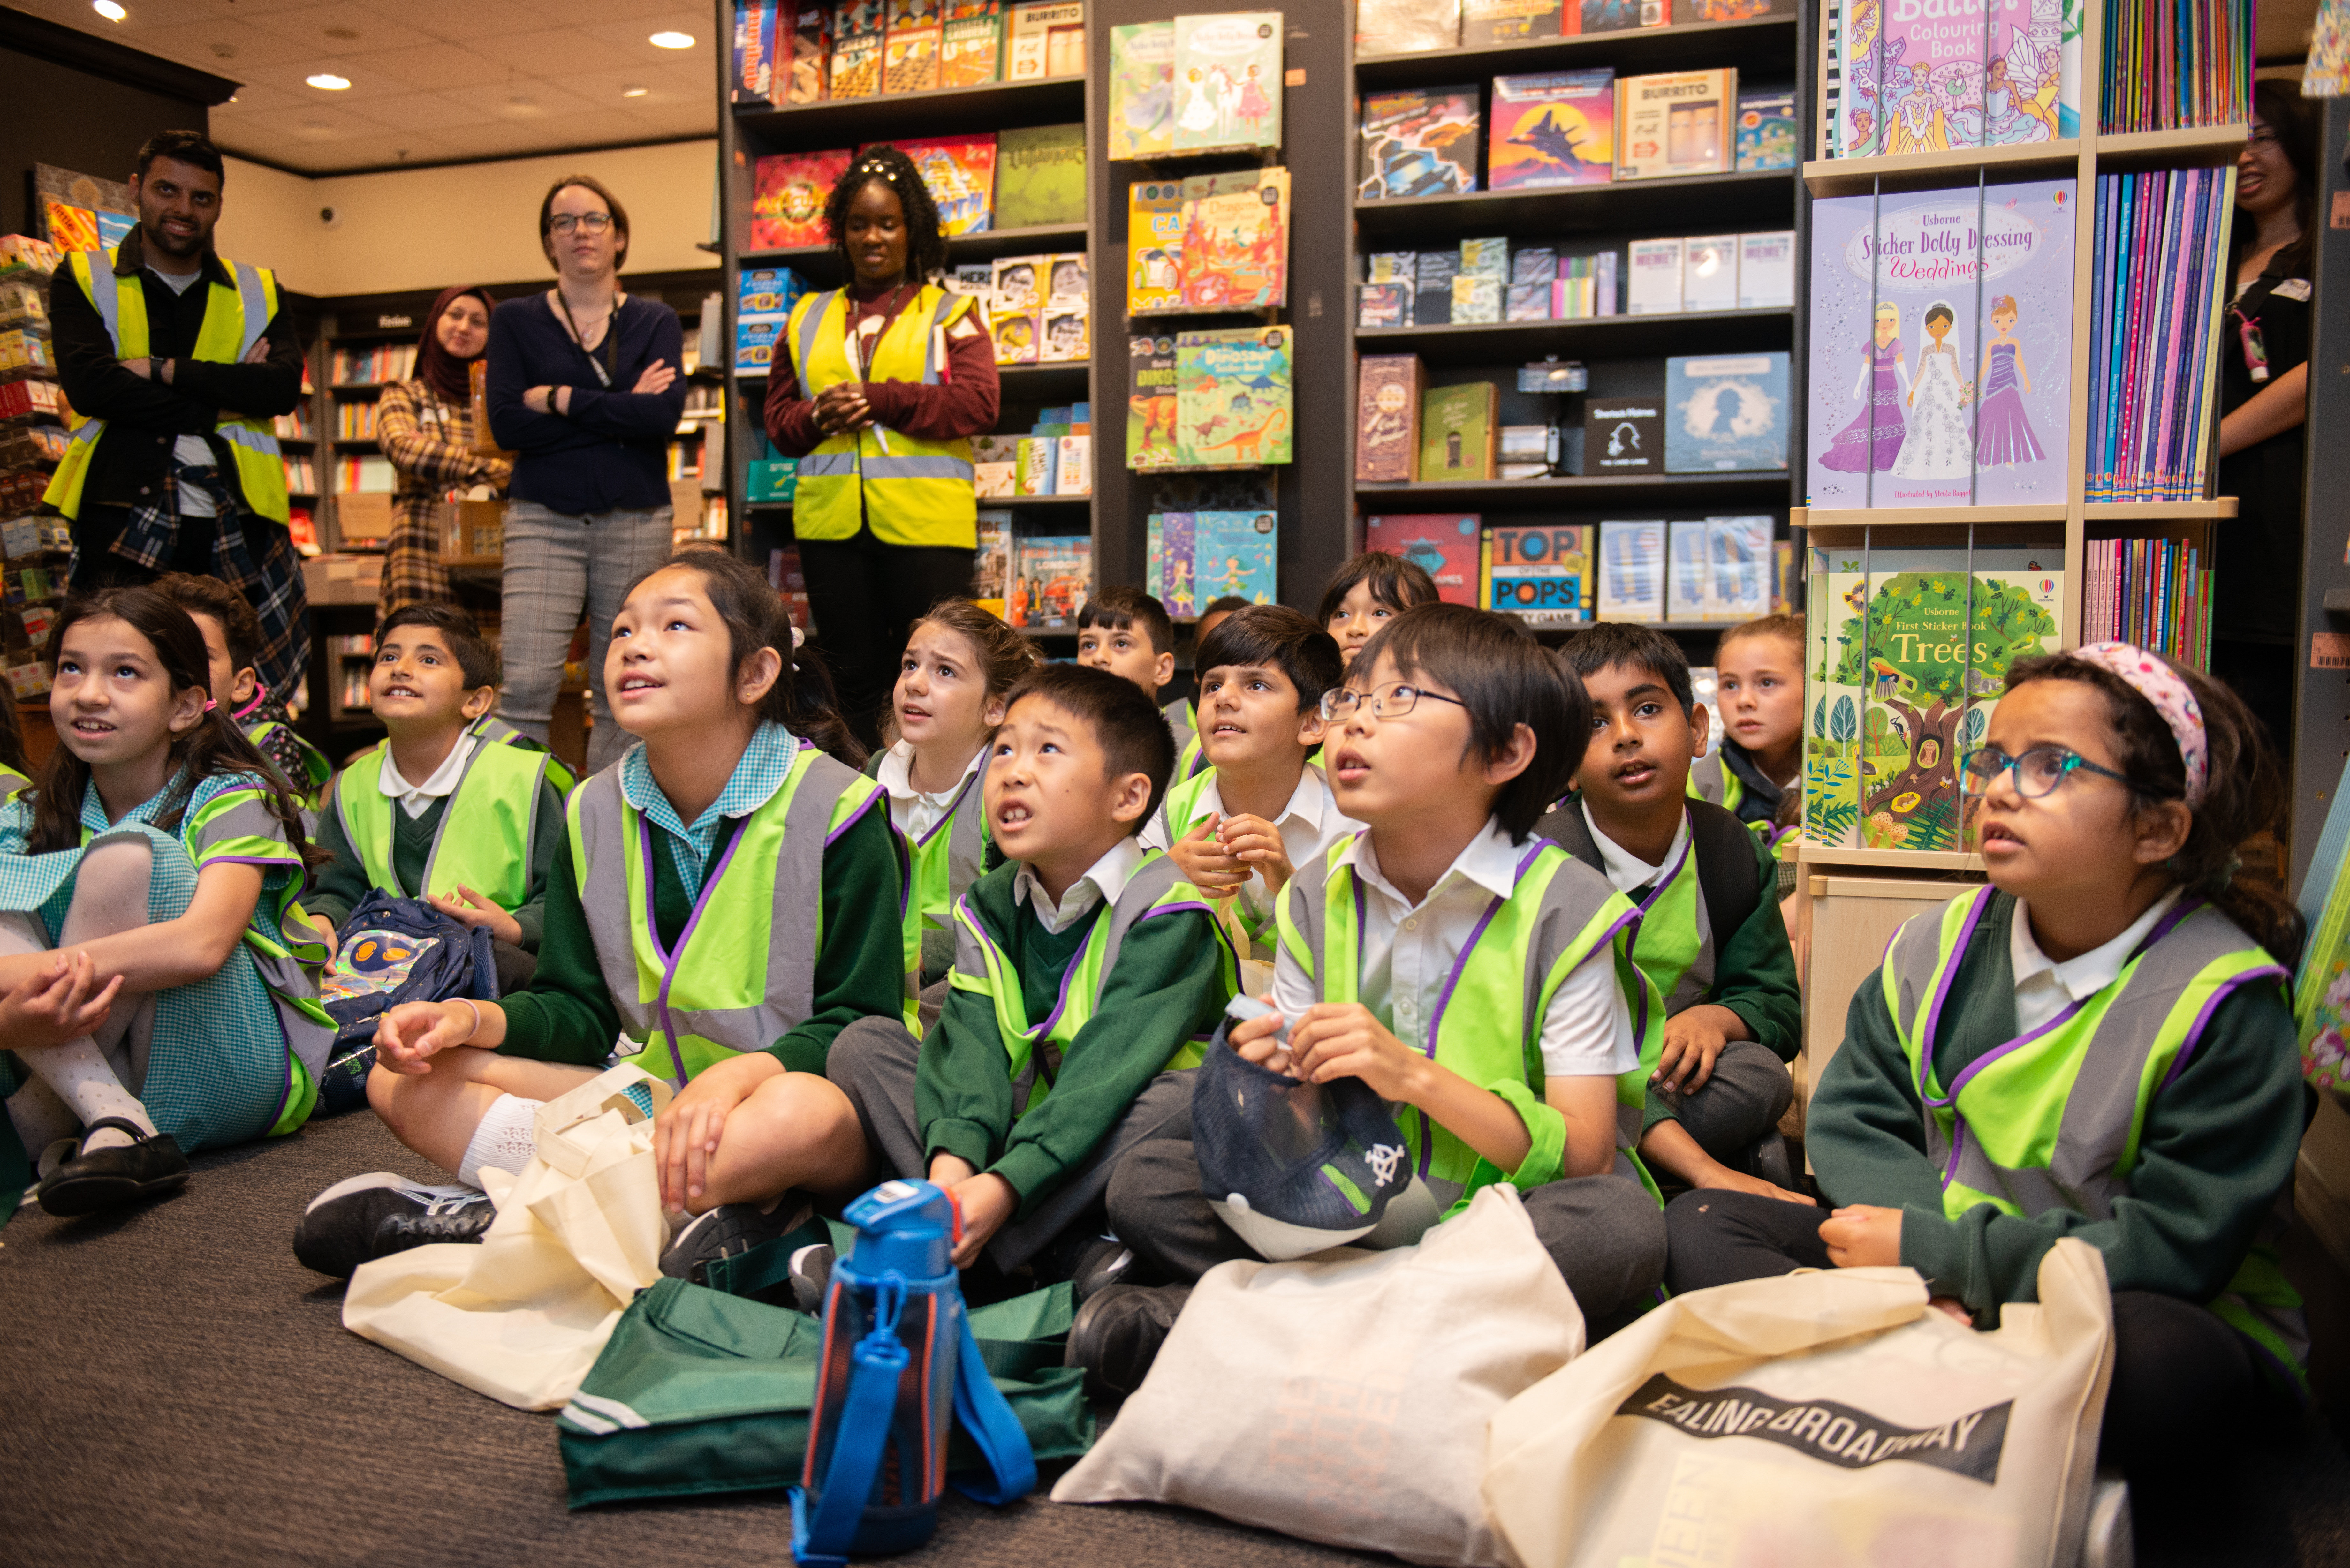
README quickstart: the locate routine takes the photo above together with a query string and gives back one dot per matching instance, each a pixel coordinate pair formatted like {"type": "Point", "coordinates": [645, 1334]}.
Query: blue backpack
{"type": "Point", "coordinates": [393, 951]}
{"type": "Point", "coordinates": [899, 1367]}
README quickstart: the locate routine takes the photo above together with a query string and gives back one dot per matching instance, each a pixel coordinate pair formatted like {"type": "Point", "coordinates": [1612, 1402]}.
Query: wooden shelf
{"type": "Point", "coordinates": [1632, 51]}
{"type": "Point", "coordinates": [986, 245]}
{"type": "Point", "coordinates": [2189, 145]}
{"type": "Point", "coordinates": [1889, 859]}
{"type": "Point", "coordinates": [1920, 516]}
{"type": "Point", "coordinates": [1854, 176]}
{"type": "Point", "coordinates": [1723, 331]}
{"type": "Point", "coordinates": [2155, 511]}
{"type": "Point", "coordinates": [1656, 488]}
{"type": "Point", "coordinates": [994, 105]}
{"type": "Point", "coordinates": [1752, 199]}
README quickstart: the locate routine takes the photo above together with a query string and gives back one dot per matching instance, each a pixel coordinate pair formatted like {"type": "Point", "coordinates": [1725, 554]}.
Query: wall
{"type": "Point", "coordinates": [471, 223]}
{"type": "Point", "coordinates": [85, 123]}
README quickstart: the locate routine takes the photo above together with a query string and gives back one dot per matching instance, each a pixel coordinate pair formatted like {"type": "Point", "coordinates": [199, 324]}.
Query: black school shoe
{"type": "Point", "coordinates": [91, 1180]}
{"type": "Point", "coordinates": [730, 1229]}
{"type": "Point", "coordinates": [376, 1215]}
{"type": "Point", "coordinates": [1117, 1333]}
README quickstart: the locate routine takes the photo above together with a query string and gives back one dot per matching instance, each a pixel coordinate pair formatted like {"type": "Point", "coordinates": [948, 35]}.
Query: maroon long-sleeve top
{"type": "Point", "coordinates": [963, 401]}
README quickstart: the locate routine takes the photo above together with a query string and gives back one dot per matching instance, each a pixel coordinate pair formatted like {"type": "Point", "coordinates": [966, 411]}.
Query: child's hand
{"type": "Point", "coordinates": [473, 909]}
{"type": "Point", "coordinates": [409, 1036]}
{"type": "Point", "coordinates": [59, 1003]}
{"type": "Point", "coordinates": [686, 1133]}
{"type": "Point", "coordinates": [1207, 864]}
{"type": "Point", "coordinates": [1860, 1236]}
{"type": "Point", "coordinates": [986, 1201]}
{"type": "Point", "coordinates": [1693, 1041]}
{"type": "Point", "coordinates": [951, 1170]}
{"type": "Point", "coordinates": [1344, 1040]}
{"type": "Point", "coordinates": [326, 934]}
{"type": "Point", "coordinates": [1257, 1040]}
{"type": "Point", "coordinates": [1256, 844]}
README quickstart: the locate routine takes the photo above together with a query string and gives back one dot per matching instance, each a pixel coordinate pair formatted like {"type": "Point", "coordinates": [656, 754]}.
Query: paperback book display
{"type": "Point", "coordinates": [787, 54]}
{"type": "Point", "coordinates": [2166, 68]}
{"type": "Point", "coordinates": [2154, 372]}
{"type": "Point", "coordinates": [1227, 79]}
{"type": "Point", "coordinates": [1142, 90]}
{"type": "Point", "coordinates": [1925, 79]}
{"type": "Point", "coordinates": [1211, 243]}
{"type": "Point", "coordinates": [2156, 593]}
{"type": "Point", "coordinates": [1193, 558]}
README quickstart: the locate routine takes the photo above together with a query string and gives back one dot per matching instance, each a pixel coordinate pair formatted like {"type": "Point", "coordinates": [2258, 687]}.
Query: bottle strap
{"type": "Point", "coordinates": [980, 1406]}
{"type": "Point", "coordinates": [822, 1541]}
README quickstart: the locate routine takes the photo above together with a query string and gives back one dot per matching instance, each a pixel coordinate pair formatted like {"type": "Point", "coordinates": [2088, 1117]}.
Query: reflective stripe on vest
{"type": "Point", "coordinates": [316, 769]}
{"type": "Point", "coordinates": [485, 835]}
{"type": "Point", "coordinates": [911, 490]}
{"type": "Point", "coordinates": [490, 727]}
{"type": "Point", "coordinates": [945, 862]}
{"type": "Point", "coordinates": [1673, 939]}
{"type": "Point", "coordinates": [980, 967]}
{"type": "Point", "coordinates": [1487, 1022]}
{"type": "Point", "coordinates": [235, 316]}
{"type": "Point", "coordinates": [12, 783]}
{"type": "Point", "coordinates": [742, 970]}
{"type": "Point", "coordinates": [1710, 779]}
{"type": "Point", "coordinates": [2051, 1120]}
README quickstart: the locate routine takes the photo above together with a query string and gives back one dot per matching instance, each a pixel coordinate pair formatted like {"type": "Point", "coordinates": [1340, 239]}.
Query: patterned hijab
{"type": "Point", "coordinates": [435, 366]}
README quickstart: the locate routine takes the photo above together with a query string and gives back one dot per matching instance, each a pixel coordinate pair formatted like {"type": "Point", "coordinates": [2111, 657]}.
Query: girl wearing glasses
{"type": "Point", "coordinates": [2097, 1044]}
{"type": "Point", "coordinates": [583, 386]}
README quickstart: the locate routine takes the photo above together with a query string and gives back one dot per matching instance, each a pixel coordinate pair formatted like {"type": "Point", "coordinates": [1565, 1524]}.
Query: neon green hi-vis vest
{"type": "Point", "coordinates": [235, 319]}
{"type": "Point", "coordinates": [742, 970]}
{"type": "Point", "coordinates": [947, 859]}
{"type": "Point", "coordinates": [484, 837]}
{"type": "Point", "coordinates": [1181, 811]}
{"type": "Point", "coordinates": [2051, 1120]}
{"type": "Point", "coordinates": [490, 727]}
{"type": "Point", "coordinates": [1035, 1050]}
{"type": "Point", "coordinates": [1183, 724]}
{"type": "Point", "coordinates": [12, 783]}
{"type": "Point", "coordinates": [1710, 780]}
{"type": "Point", "coordinates": [1487, 1025]}
{"type": "Point", "coordinates": [913, 491]}
{"type": "Point", "coordinates": [316, 769]}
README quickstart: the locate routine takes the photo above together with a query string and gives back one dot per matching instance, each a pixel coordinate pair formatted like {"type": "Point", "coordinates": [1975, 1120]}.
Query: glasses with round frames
{"type": "Point", "coordinates": [2038, 772]}
{"type": "Point", "coordinates": [591, 222]}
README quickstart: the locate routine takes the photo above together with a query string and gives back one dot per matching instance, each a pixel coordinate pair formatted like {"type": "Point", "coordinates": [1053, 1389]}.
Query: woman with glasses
{"type": "Point", "coordinates": [2263, 403]}
{"type": "Point", "coordinates": [583, 388]}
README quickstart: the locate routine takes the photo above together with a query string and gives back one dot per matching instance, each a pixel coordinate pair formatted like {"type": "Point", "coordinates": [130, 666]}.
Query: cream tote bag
{"type": "Point", "coordinates": [1822, 1418]}
{"type": "Point", "coordinates": [521, 1315]}
{"type": "Point", "coordinates": [1346, 1401]}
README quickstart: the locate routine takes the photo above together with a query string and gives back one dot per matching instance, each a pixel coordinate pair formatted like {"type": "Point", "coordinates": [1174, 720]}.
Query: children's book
{"type": "Point", "coordinates": [1154, 239]}
{"type": "Point", "coordinates": [1046, 39]}
{"type": "Point", "coordinates": [1236, 240]}
{"type": "Point", "coordinates": [909, 61]}
{"type": "Point", "coordinates": [2023, 351]}
{"type": "Point", "coordinates": [1056, 578]}
{"type": "Point", "coordinates": [1766, 130]}
{"type": "Point", "coordinates": [960, 172]}
{"type": "Point", "coordinates": [1709, 272]}
{"type": "Point", "coordinates": [1675, 123]}
{"type": "Point", "coordinates": [1740, 566]}
{"type": "Point", "coordinates": [1509, 21]}
{"type": "Point", "coordinates": [1622, 16]}
{"type": "Point", "coordinates": [1543, 574]}
{"type": "Point", "coordinates": [1387, 416]}
{"type": "Point", "coordinates": [1445, 544]}
{"type": "Point", "coordinates": [1725, 412]}
{"type": "Point", "coordinates": [1688, 576]}
{"type": "Point", "coordinates": [1632, 571]}
{"type": "Point", "coordinates": [1457, 432]}
{"type": "Point", "coordinates": [1406, 27]}
{"type": "Point", "coordinates": [1227, 81]}
{"type": "Point", "coordinates": [1235, 553]}
{"type": "Point", "coordinates": [1623, 435]}
{"type": "Point", "coordinates": [1419, 142]}
{"type": "Point", "coordinates": [787, 211]}
{"type": "Point", "coordinates": [1929, 82]}
{"type": "Point", "coordinates": [1556, 128]}
{"type": "Point", "coordinates": [995, 465]}
{"type": "Point", "coordinates": [1928, 253]}
{"type": "Point", "coordinates": [1834, 664]}
{"type": "Point", "coordinates": [1178, 565]}
{"type": "Point", "coordinates": [1142, 90]}
{"type": "Point", "coordinates": [1040, 176]}
{"type": "Point", "coordinates": [970, 51]}
{"type": "Point", "coordinates": [2017, 607]}
{"type": "Point", "coordinates": [1909, 661]}
{"type": "Point", "coordinates": [991, 574]}
{"type": "Point", "coordinates": [1766, 270]}
{"type": "Point", "coordinates": [1234, 403]}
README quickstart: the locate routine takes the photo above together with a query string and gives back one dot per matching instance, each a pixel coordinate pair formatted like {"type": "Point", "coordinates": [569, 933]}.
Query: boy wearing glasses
{"type": "Point", "coordinates": [1472, 975]}
{"type": "Point", "coordinates": [1707, 934]}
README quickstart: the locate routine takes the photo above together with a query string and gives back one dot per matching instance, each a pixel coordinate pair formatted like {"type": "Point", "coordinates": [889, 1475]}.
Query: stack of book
{"type": "Point", "coordinates": [372, 366]}
{"type": "Point", "coordinates": [2156, 593]}
{"type": "Point", "coordinates": [1055, 458]}
{"type": "Point", "coordinates": [2154, 374]}
{"type": "Point", "coordinates": [791, 53]}
{"type": "Point", "coordinates": [2172, 65]}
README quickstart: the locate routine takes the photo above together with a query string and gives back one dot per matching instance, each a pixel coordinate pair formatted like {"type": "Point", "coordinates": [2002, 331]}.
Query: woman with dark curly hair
{"type": "Point", "coordinates": [884, 384]}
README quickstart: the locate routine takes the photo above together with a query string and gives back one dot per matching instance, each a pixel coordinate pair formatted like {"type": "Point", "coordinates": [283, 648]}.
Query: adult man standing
{"type": "Point", "coordinates": [177, 362]}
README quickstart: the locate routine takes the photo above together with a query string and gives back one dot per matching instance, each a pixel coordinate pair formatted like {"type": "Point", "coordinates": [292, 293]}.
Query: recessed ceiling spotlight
{"type": "Point", "coordinates": [344, 33]}
{"type": "Point", "coordinates": [671, 40]}
{"type": "Point", "coordinates": [318, 125]}
{"type": "Point", "coordinates": [328, 81]}
{"type": "Point", "coordinates": [109, 10]}
{"type": "Point", "coordinates": [634, 91]}
{"type": "Point", "coordinates": [524, 102]}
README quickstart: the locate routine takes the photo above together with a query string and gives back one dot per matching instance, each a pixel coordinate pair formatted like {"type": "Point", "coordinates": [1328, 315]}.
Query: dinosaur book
{"type": "Point", "coordinates": [1233, 407]}
{"type": "Point", "coordinates": [1150, 401]}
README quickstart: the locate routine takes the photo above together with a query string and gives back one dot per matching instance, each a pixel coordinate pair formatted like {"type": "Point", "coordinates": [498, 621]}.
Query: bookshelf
{"type": "Point", "coordinates": [2322, 711]}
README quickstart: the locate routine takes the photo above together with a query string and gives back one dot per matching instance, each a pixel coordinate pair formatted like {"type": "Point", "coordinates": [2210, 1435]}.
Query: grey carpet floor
{"type": "Point", "coordinates": [176, 1390]}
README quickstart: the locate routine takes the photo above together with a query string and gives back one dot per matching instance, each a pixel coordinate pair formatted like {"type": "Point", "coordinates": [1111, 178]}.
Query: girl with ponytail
{"type": "Point", "coordinates": [2095, 1046]}
{"type": "Point", "coordinates": [152, 951]}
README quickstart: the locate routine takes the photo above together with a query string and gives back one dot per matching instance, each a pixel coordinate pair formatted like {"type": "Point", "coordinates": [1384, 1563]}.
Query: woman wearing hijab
{"type": "Point", "coordinates": [426, 429]}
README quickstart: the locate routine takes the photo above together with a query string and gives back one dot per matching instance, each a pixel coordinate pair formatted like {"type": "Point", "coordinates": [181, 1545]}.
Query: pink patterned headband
{"type": "Point", "coordinates": [2156, 682]}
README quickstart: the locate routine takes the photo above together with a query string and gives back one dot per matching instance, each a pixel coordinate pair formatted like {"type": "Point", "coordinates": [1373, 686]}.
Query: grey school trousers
{"type": "Point", "coordinates": [1738, 1105]}
{"type": "Point", "coordinates": [873, 1061]}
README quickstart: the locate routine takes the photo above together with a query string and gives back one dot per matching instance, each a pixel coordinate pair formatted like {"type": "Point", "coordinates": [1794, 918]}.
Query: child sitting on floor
{"type": "Point", "coordinates": [232, 635]}
{"type": "Point", "coordinates": [2095, 1046]}
{"type": "Point", "coordinates": [1366, 592]}
{"type": "Point", "coordinates": [1759, 750]}
{"type": "Point", "coordinates": [1085, 968]}
{"type": "Point", "coordinates": [1709, 933]}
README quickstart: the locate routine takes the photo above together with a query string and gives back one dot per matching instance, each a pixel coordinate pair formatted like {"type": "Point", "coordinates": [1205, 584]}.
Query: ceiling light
{"type": "Point", "coordinates": [671, 40]}
{"type": "Point", "coordinates": [344, 33]}
{"type": "Point", "coordinates": [109, 10]}
{"type": "Point", "coordinates": [524, 102]}
{"type": "Point", "coordinates": [634, 91]}
{"type": "Point", "coordinates": [318, 125]}
{"type": "Point", "coordinates": [328, 81]}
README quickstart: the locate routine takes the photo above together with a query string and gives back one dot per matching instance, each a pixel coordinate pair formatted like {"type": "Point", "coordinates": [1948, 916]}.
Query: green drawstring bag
{"type": "Point", "coordinates": [699, 1392]}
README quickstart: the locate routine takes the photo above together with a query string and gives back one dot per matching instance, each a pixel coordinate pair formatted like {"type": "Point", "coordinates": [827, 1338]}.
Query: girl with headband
{"type": "Point", "coordinates": [2097, 1044]}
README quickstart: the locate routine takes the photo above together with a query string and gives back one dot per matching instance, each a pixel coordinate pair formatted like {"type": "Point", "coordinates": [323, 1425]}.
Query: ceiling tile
{"type": "Point", "coordinates": [435, 66]}
{"type": "Point", "coordinates": [464, 21]}
{"type": "Point", "coordinates": [366, 81]}
{"type": "Point", "coordinates": [676, 119]}
{"type": "Point", "coordinates": [663, 84]}
{"type": "Point", "coordinates": [374, 30]}
{"type": "Point", "coordinates": [428, 111]}
{"type": "Point", "coordinates": [548, 102]}
{"type": "Point", "coordinates": [695, 20]}
{"type": "Point", "coordinates": [192, 44]}
{"type": "Point", "coordinates": [558, 51]}
{"type": "Point", "coordinates": [634, 35]}
{"type": "Point", "coordinates": [310, 123]}
{"type": "Point", "coordinates": [254, 97]}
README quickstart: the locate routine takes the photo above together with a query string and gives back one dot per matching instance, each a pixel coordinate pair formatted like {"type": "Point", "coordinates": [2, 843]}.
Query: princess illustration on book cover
{"type": "Point", "coordinates": [1873, 440]}
{"type": "Point", "coordinates": [1939, 445]}
{"type": "Point", "coordinates": [2004, 434]}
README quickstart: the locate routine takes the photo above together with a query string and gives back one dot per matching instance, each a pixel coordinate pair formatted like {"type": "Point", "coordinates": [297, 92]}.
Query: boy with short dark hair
{"type": "Point", "coordinates": [1242, 826]}
{"type": "Point", "coordinates": [1760, 749]}
{"type": "Point", "coordinates": [1085, 971]}
{"type": "Point", "coordinates": [1469, 974]}
{"type": "Point", "coordinates": [232, 639]}
{"type": "Point", "coordinates": [1709, 934]}
{"type": "Point", "coordinates": [437, 811]}
{"type": "Point", "coordinates": [1213, 616]}
{"type": "Point", "coordinates": [1128, 632]}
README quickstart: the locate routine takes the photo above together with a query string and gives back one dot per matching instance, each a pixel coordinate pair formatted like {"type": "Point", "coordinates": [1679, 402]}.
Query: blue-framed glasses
{"type": "Point", "coordinates": [2038, 772]}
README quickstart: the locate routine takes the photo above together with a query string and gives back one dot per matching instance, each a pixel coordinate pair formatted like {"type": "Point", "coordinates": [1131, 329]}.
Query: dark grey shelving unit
{"type": "Point", "coordinates": [2321, 706]}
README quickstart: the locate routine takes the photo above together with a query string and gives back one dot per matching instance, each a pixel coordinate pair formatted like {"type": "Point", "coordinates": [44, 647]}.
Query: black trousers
{"type": "Point", "coordinates": [2182, 1378]}
{"type": "Point", "coordinates": [865, 596]}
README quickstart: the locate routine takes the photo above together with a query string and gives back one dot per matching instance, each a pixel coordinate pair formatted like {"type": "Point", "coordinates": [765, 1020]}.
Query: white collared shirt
{"type": "Point", "coordinates": [414, 798]}
{"type": "Point", "coordinates": [915, 812]}
{"type": "Point", "coordinates": [1308, 824]}
{"type": "Point", "coordinates": [1104, 880]}
{"type": "Point", "coordinates": [1627, 872]}
{"type": "Point", "coordinates": [191, 450]}
{"type": "Point", "coordinates": [2044, 988]}
{"type": "Point", "coordinates": [1409, 952]}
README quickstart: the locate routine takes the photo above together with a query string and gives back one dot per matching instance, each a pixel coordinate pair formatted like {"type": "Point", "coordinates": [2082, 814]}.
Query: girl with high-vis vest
{"type": "Point", "coordinates": [2096, 1044]}
{"type": "Point", "coordinates": [728, 902]}
{"type": "Point", "coordinates": [15, 768]}
{"type": "Point", "coordinates": [959, 665]}
{"type": "Point", "coordinates": [877, 390]}
{"type": "Point", "coordinates": [152, 988]}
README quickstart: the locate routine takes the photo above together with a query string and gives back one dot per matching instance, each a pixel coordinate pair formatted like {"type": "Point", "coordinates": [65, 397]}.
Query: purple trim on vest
{"type": "Point", "coordinates": [948, 815]}
{"type": "Point", "coordinates": [1038, 1032]}
{"type": "Point", "coordinates": [1444, 997]}
{"type": "Point", "coordinates": [670, 956]}
{"type": "Point", "coordinates": [275, 862]}
{"type": "Point", "coordinates": [2220, 993]}
{"type": "Point", "coordinates": [856, 816]}
{"type": "Point", "coordinates": [1982, 898]}
{"type": "Point", "coordinates": [1640, 1008]}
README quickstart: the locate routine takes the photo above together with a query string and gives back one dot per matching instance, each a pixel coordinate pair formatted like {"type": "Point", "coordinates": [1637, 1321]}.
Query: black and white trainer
{"type": "Point", "coordinates": [729, 1231]}
{"type": "Point", "coordinates": [376, 1215]}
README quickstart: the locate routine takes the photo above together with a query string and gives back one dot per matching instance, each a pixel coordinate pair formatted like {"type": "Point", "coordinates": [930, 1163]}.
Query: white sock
{"type": "Point", "coordinates": [40, 1117]}
{"type": "Point", "coordinates": [504, 1141]}
{"type": "Point", "coordinates": [79, 1073]}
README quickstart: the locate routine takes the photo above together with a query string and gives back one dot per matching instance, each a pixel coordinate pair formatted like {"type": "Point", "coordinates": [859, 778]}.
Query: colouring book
{"type": "Point", "coordinates": [1227, 80]}
{"type": "Point", "coordinates": [1236, 240]}
{"type": "Point", "coordinates": [1142, 90]}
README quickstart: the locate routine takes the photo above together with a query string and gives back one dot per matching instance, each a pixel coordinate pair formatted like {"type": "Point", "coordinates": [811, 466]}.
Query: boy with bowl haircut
{"type": "Point", "coordinates": [1759, 752]}
{"type": "Point", "coordinates": [1709, 933]}
{"type": "Point", "coordinates": [232, 635]}
{"type": "Point", "coordinates": [1470, 973]}
{"type": "Point", "coordinates": [1085, 971]}
{"type": "Point", "coordinates": [1128, 633]}
{"type": "Point", "coordinates": [437, 811]}
{"type": "Point", "coordinates": [1241, 827]}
